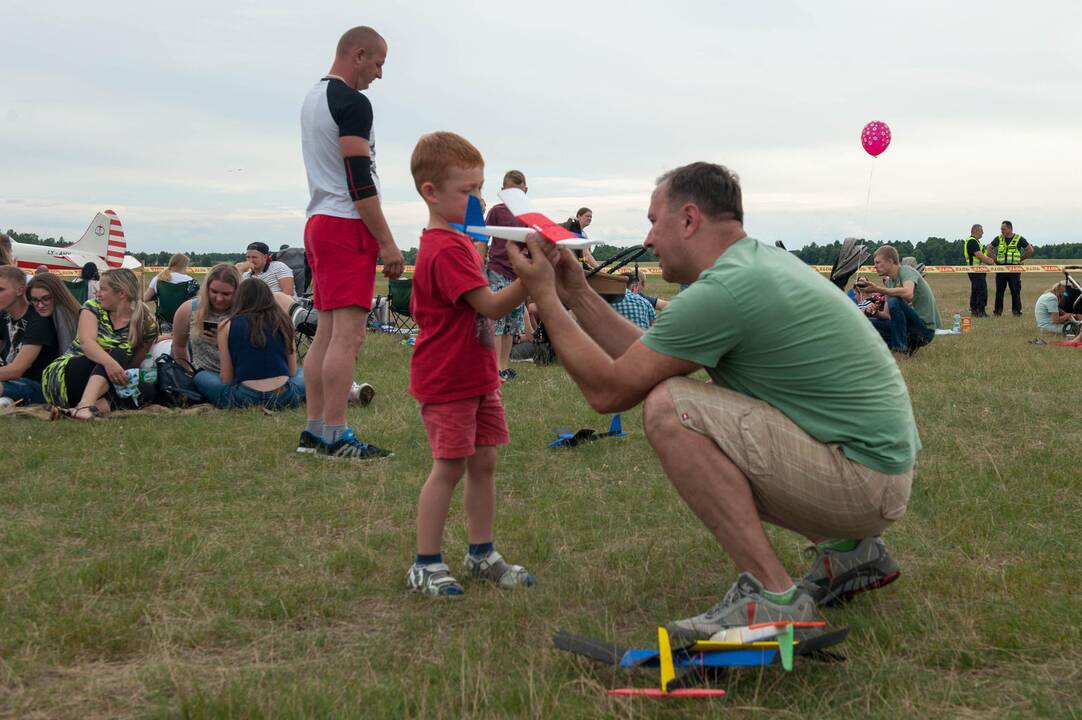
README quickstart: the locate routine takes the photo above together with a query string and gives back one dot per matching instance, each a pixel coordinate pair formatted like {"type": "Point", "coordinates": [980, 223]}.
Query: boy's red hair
{"type": "Point", "coordinates": [436, 153]}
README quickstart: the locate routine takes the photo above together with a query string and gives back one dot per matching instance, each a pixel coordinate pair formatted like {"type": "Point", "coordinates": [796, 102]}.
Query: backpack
{"type": "Point", "coordinates": [175, 386]}
{"type": "Point", "coordinates": [297, 261]}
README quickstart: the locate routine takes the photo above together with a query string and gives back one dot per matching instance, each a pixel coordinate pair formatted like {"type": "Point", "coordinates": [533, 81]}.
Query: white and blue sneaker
{"type": "Point", "coordinates": [433, 580]}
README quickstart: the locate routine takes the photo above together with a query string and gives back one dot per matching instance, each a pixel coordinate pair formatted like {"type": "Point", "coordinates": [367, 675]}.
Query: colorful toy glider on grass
{"type": "Point", "coordinates": [536, 222]}
{"type": "Point", "coordinates": [566, 438]}
{"type": "Point", "coordinates": [684, 666]}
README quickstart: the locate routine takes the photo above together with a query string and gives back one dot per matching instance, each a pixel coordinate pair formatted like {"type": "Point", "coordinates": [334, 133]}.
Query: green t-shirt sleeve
{"type": "Point", "coordinates": [700, 325]}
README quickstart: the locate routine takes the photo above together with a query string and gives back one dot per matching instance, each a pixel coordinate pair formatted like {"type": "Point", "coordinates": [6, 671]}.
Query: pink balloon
{"type": "Point", "coordinates": [875, 138]}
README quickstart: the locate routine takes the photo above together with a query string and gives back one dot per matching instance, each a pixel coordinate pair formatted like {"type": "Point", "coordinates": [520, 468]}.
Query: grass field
{"type": "Point", "coordinates": [197, 567]}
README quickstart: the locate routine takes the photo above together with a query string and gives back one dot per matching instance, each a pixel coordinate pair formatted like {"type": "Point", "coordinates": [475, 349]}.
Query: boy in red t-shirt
{"type": "Point", "coordinates": [453, 373]}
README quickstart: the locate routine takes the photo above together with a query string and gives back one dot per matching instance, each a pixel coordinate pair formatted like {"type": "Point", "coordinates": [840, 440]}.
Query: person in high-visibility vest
{"type": "Point", "coordinates": [978, 282]}
{"type": "Point", "coordinates": [1009, 249]}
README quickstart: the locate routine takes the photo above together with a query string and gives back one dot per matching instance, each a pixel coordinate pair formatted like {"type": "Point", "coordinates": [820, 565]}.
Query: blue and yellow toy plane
{"type": "Point", "coordinates": [684, 666]}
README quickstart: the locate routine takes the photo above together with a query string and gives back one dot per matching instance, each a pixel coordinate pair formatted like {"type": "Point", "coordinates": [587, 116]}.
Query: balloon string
{"type": "Point", "coordinates": [868, 201]}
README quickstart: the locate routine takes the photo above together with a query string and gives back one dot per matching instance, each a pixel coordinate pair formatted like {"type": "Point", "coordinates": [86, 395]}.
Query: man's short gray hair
{"type": "Point", "coordinates": [714, 189]}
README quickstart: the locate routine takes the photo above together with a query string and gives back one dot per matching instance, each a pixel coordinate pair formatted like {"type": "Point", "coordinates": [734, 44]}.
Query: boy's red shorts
{"type": "Point", "coordinates": [456, 429]}
{"type": "Point", "coordinates": [342, 253]}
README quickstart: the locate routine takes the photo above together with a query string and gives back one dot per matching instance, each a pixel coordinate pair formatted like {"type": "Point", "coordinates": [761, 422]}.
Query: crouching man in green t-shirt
{"type": "Point", "coordinates": [778, 435]}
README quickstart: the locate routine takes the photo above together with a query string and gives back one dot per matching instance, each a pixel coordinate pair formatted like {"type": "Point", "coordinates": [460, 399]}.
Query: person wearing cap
{"type": "Point", "coordinates": [276, 274]}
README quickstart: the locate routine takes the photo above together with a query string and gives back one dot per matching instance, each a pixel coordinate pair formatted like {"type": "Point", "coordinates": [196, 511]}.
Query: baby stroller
{"type": "Point", "coordinates": [305, 318]}
{"type": "Point", "coordinates": [851, 255]}
{"type": "Point", "coordinates": [1071, 302]}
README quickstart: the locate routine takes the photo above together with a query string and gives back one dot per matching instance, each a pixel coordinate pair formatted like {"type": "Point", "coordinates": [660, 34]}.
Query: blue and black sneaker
{"type": "Point", "coordinates": [348, 447]}
{"type": "Point", "coordinates": [308, 443]}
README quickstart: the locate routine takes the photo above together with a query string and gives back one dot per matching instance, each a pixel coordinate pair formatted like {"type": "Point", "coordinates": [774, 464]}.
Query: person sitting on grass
{"type": "Point", "coordinates": [634, 306]}
{"type": "Point", "coordinates": [1050, 318]}
{"type": "Point", "coordinates": [257, 355]}
{"type": "Point", "coordinates": [196, 322]}
{"type": "Point", "coordinates": [175, 272]}
{"type": "Point", "coordinates": [90, 275]}
{"type": "Point", "coordinates": [28, 341]}
{"type": "Point", "coordinates": [277, 275]}
{"type": "Point", "coordinates": [115, 332]}
{"type": "Point", "coordinates": [911, 312]}
{"type": "Point", "coordinates": [52, 299]}
{"type": "Point", "coordinates": [454, 371]}
{"type": "Point", "coordinates": [873, 305]}
{"type": "Point", "coordinates": [637, 284]}
{"type": "Point", "coordinates": [762, 442]}
{"type": "Point", "coordinates": [195, 336]}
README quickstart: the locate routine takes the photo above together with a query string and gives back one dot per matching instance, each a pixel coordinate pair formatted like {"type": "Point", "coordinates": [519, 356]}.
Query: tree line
{"type": "Point", "coordinates": [932, 251]}
{"type": "Point", "coordinates": [33, 239]}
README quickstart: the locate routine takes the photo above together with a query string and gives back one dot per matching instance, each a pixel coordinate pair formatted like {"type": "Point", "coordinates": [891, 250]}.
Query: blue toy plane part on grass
{"type": "Point", "coordinates": [566, 438]}
{"type": "Point", "coordinates": [474, 218]}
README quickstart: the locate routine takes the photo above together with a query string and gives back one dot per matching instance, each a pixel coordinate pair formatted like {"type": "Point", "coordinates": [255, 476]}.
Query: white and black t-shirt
{"type": "Point", "coordinates": [273, 275]}
{"type": "Point", "coordinates": [333, 110]}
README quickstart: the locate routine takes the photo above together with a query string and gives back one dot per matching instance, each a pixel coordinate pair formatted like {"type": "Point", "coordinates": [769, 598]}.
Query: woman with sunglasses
{"type": "Point", "coordinates": [52, 299]}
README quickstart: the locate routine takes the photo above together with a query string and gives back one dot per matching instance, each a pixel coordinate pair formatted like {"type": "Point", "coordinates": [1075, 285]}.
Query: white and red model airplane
{"type": "Point", "coordinates": [102, 244]}
{"type": "Point", "coordinates": [520, 207]}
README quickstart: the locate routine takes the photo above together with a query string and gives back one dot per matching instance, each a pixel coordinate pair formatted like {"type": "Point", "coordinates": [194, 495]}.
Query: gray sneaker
{"type": "Point", "coordinates": [834, 577]}
{"type": "Point", "coordinates": [433, 580]}
{"type": "Point", "coordinates": [494, 568]}
{"type": "Point", "coordinates": [744, 605]}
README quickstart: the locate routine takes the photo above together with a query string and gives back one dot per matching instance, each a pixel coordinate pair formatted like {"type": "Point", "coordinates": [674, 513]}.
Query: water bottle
{"type": "Point", "coordinates": [131, 388]}
{"type": "Point", "coordinates": [957, 324]}
{"type": "Point", "coordinates": [148, 371]}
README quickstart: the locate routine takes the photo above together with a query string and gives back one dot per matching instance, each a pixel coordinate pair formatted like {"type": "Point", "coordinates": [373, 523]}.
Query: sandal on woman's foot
{"type": "Point", "coordinates": [92, 413]}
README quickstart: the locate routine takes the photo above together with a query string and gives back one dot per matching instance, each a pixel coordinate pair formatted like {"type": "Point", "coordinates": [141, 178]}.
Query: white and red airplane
{"type": "Point", "coordinates": [520, 207]}
{"type": "Point", "coordinates": [102, 244]}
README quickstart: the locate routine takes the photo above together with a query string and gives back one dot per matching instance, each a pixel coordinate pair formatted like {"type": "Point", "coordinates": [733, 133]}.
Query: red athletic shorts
{"type": "Point", "coordinates": [342, 253]}
{"type": "Point", "coordinates": [456, 429]}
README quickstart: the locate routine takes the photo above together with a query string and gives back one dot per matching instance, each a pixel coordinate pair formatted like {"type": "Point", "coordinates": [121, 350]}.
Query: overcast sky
{"type": "Point", "coordinates": [184, 117]}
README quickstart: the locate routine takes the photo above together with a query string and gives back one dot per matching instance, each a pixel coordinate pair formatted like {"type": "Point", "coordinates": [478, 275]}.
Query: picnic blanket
{"type": "Point", "coordinates": [43, 412]}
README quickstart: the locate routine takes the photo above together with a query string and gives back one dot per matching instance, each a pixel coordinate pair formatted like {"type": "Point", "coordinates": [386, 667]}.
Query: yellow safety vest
{"type": "Point", "coordinates": [1007, 252]}
{"type": "Point", "coordinates": [971, 259]}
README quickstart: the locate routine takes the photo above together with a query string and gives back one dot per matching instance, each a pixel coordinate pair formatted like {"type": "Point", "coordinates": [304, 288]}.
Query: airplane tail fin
{"type": "Point", "coordinates": [104, 237]}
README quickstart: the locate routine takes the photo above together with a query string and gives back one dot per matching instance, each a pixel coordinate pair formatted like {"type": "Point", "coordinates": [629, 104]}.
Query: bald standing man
{"type": "Point", "coordinates": [345, 236]}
